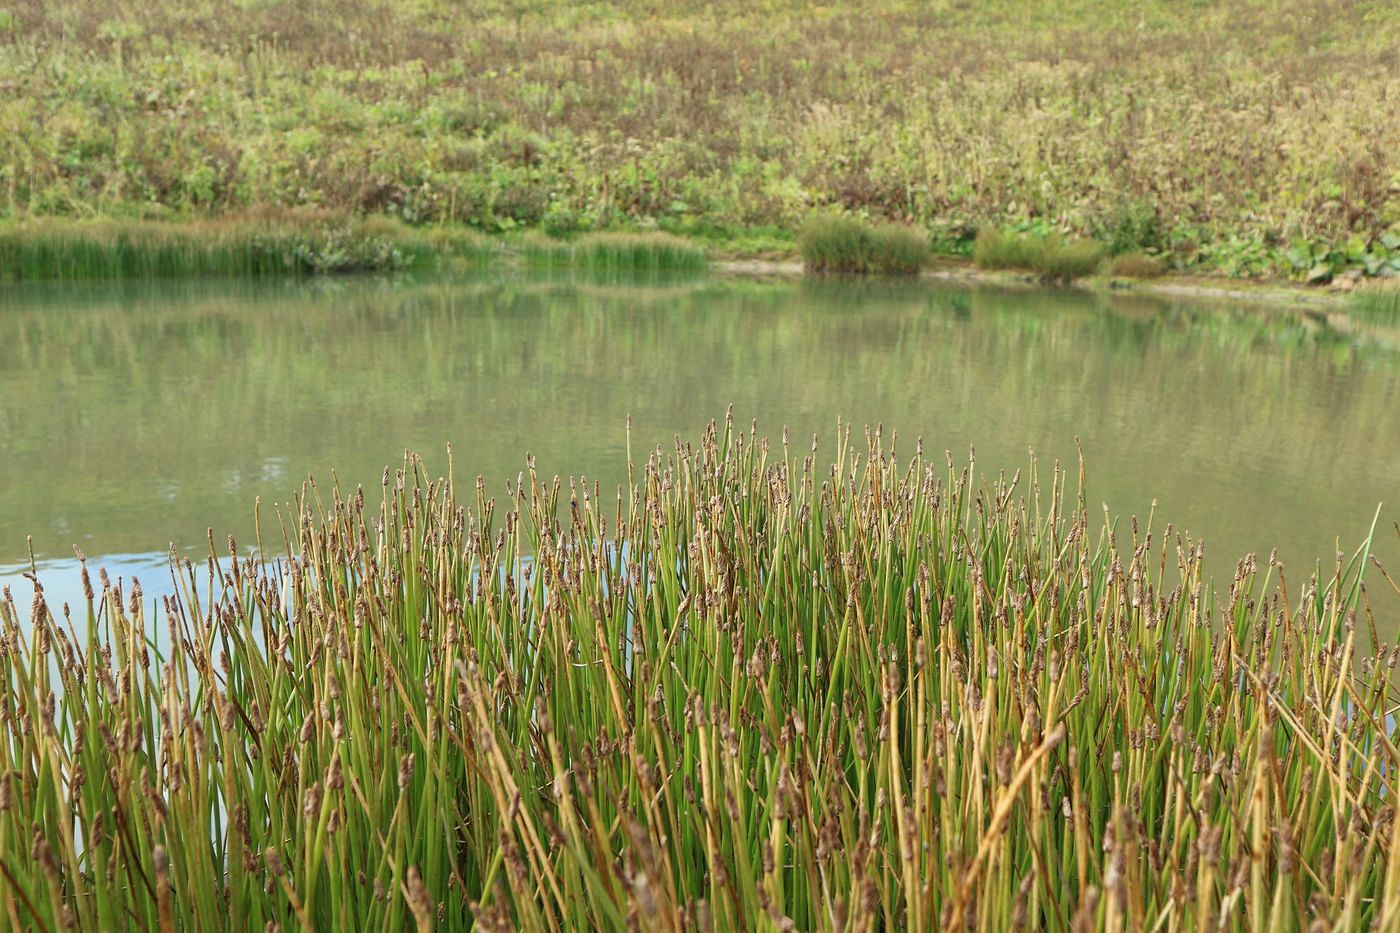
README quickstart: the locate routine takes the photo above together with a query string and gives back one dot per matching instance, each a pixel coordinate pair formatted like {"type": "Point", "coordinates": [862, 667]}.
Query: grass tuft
{"type": "Point", "coordinates": [748, 688]}
{"type": "Point", "coordinates": [846, 244]}
{"type": "Point", "coordinates": [1378, 300]}
{"type": "Point", "coordinates": [1138, 266]}
{"type": "Point", "coordinates": [1049, 256]}
{"type": "Point", "coordinates": [607, 252]}
{"type": "Point", "coordinates": [994, 249]}
{"type": "Point", "coordinates": [254, 244]}
{"type": "Point", "coordinates": [1065, 262]}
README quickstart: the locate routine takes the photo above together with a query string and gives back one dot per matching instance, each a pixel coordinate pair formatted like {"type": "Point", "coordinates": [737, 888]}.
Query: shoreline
{"type": "Point", "coordinates": [296, 243]}
{"type": "Point", "coordinates": [955, 271]}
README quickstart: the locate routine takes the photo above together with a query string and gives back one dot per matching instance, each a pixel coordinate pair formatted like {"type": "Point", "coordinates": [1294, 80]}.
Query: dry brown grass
{"type": "Point", "coordinates": [1138, 266]}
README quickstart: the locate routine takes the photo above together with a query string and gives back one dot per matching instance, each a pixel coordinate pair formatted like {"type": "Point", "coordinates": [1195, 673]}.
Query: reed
{"type": "Point", "coordinates": [1051, 257]}
{"type": "Point", "coordinates": [273, 242]}
{"type": "Point", "coordinates": [608, 252]}
{"type": "Point", "coordinates": [845, 244]}
{"type": "Point", "coordinates": [749, 691]}
{"type": "Point", "coordinates": [1067, 261]}
{"type": "Point", "coordinates": [1138, 266]}
{"type": "Point", "coordinates": [1379, 301]}
{"type": "Point", "coordinates": [265, 244]}
{"type": "Point", "coordinates": [994, 249]}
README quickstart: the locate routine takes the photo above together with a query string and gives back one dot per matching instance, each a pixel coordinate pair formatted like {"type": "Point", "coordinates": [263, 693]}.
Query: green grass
{"type": "Point", "coordinates": [1050, 257]}
{"type": "Point", "coordinates": [1378, 301]}
{"type": "Point", "coordinates": [841, 243]}
{"type": "Point", "coordinates": [304, 243]}
{"type": "Point", "coordinates": [278, 244]}
{"type": "Point", "coordinates": [1191, 130]}
{"type": "Point", "coordinates": [995, 249]}
{"type": "Point", "coordinates": [1065, 262]}
{"type": "Point", "coordinates": [607, 252]}
{"type": "Point", "coordinates": [750, 692]}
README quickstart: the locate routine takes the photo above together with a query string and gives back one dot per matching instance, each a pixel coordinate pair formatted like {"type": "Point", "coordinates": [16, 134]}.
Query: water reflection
{"type": "Point", "coordinates": [134, 417]}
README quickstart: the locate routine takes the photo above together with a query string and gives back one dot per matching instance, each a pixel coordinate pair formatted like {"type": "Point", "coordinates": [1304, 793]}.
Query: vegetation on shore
{"type": "Point", "coordinates": [1050, 257]}
{"type": "Point", "coordinates": [277, 242]}
{"type": "Point", "coordinates": [841, 243]}
{"type": "Point", "coordinates": [605, 252]}
{"type": "Point", "coordinates": [1222, 137]}
{"type": "Point", "coordinates": [303, 242]}
{"type": "Point", "coordinates": [1378, 300]}
{"type": "Point", "coordinates": [1137, 266]}
{"type": "Point", "coordinates": [308, 242]}
{"type": "Point", "coordinates": [751, 690]}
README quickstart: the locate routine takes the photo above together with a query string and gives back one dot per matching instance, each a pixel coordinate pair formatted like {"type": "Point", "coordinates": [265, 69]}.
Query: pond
{"type": "Point", "coordinates": [134, 417]}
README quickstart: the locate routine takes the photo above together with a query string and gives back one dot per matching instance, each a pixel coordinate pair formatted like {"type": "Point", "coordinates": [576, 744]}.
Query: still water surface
{"type": "Point", "coordinates": [133, 417]}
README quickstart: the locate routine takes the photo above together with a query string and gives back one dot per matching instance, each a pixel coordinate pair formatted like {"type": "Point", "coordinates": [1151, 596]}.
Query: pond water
{"type": "Point", "coordinates": [136, 417]}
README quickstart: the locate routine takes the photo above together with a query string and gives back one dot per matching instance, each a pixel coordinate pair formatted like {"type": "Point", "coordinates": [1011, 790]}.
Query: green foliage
{"type": "Point", "coordinates": [863, 695]}
{"type": "Point", "coordinates": [1318, 261]}
{"type": "Point", "coordinates": [842, 243]}
{"type": "Point", "coordinates": [1137, 132]}
{"type": "Point", "coordinates": [560, 220]}
{"type": "Point", "coordinates": [734, 242]}
{"type": "Point", "coordinates": [1131, 225]}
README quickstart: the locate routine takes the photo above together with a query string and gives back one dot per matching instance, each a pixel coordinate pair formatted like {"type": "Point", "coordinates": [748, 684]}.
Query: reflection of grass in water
{"type": "Point", "coordinates": [867, 695]}
{"type": "Point", "coordinates": [342, 372]}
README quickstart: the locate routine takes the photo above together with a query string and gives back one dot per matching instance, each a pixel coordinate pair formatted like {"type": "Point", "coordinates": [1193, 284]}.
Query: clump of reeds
{"type": "Point", "coordinates": [845, 244]}
{"type": "Point", "coordinates": [1066, 261]}
{"type": "Point", "coordinates": [255, 244]}
{"type": "Point", "coordinates": [1051, 257]}
{"type": "Point", "coordinates": [995, 249]}
{"type": "Point", "coordinates": [614, 252]}
{"type": "Point", "coordinates": [748, 692]}
{"type": "Point", "coordinates": [1138, 266]}
{"type": "Point", "coordinates": [1378, 300]}
{"type": "Point", "coordinates": [303, 242]}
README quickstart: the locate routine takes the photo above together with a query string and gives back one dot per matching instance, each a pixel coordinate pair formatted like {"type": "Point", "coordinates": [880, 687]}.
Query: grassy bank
{"type": "Point", "coordinates": [748, 692]}
{"type": "Point", "coordinates": [1226, 137]}
{"type": "Point", "coordinates": [274, 242]}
